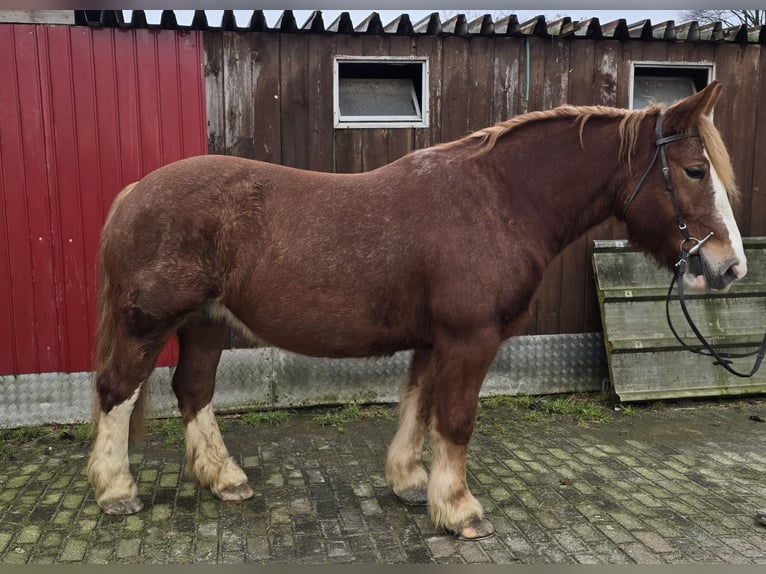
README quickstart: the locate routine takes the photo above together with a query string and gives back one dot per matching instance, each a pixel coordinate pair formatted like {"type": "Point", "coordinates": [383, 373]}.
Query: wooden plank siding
{"type": "Point", "coordinates": [477, 81]}
{"type": "Point", "coordinates": [757, 216]}
{"type": "Point", "coordinates": [87, 109]}
{"type": "Point", "coordinates": [83, 112]}
{"type": "Point", "coordinates": [645, 360]}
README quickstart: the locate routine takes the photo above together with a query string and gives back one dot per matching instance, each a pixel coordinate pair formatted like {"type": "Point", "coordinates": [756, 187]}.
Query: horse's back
{"type": "Point", "coordinates": [288, 252]}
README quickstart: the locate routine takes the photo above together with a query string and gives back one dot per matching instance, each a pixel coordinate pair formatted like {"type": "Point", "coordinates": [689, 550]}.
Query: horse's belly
{"type": "Point", "coordinates": [322, 329]}
{"type": "Point", "coordinates": [335, 340]}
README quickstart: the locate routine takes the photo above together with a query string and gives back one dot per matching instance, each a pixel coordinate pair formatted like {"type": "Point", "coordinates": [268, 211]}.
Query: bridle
{"type": "Point", "coordinates": [689, 255]}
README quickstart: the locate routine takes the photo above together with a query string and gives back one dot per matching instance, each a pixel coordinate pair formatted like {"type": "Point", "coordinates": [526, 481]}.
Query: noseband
{"type": "Point", "coordinates": [690, 247]}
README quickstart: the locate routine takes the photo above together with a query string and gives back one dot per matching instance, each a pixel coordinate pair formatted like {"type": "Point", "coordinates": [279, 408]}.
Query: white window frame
{"type": "Point", "coordinates": [680, 66]}
{"type": "Point", "coordinates": [348, 122]}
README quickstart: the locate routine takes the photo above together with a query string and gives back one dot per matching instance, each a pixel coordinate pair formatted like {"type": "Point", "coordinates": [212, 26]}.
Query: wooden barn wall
{"type": "Point", "coordinates": [270, 98]}
{"type": "Point", "coordinates": [83, 112]}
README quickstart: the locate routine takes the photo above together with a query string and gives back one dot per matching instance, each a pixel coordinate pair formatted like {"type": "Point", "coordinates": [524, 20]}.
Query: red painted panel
{"type": "Point", "coordinates": [83, 112]}
{"type": "Point", "coordinates": [16, 301]}
{"type": "Point", "coordinates": [129, 115]}
{"type": "Point", "coordinates": [31, 62]}
{"type": "Point", "coordinates": [19, 253]}
{"type": "Point", "coordinates": [52, 337]}
{"type": "Point", "coordinates": [108, 123]}
{"type": "Point", "coordinates": [75, 140]}
{"type": "Point", "coordinates": [64, 189]}
{"type": "Point", "coordinates": [89, 173]}
{"type": "Point", "coordinates": [147, 79]}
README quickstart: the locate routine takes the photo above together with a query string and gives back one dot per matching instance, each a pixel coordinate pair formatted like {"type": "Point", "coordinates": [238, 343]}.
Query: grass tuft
{"type": "Point", "coordinates": [14, 442]}
{"type": "Point", "coordinates": [268, 418]}
{"type": "Point", "coordinates": [583, 409]}
{"type": "Point", "coordinates": [339, 417]}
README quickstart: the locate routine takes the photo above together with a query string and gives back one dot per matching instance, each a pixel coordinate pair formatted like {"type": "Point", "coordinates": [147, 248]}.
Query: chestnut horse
{"type": "Point", "coordinates": [439, 251]}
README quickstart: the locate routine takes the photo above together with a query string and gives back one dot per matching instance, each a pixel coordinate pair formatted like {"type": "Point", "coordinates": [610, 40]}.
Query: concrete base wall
{"type": "Point", "coordinates": [272, 378]}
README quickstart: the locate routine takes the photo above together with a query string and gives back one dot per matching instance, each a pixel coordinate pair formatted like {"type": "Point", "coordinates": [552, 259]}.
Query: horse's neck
{"type": "Point", "coordinates": [572, 188]}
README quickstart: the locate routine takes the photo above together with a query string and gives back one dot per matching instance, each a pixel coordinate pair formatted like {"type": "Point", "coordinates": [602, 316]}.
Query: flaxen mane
{"type": "Point", "coordinates": [719, 157]}
{"type": "Point", "coordinates": [628, 131]}
{"type": "Point", "coordinates": [628, 128]}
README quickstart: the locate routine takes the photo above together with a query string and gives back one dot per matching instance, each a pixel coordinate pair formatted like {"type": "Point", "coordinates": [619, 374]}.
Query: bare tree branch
{"type": "Point", "coordinates": [728, 18]}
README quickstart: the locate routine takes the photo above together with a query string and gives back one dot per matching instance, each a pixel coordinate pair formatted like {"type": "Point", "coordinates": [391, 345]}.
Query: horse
{"type": "Point", "coordinates": [439, 252]}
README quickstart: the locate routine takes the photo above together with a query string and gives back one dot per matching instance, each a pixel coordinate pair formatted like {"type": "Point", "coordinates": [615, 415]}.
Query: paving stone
{"type": "Point", "coordinates": [671, 485]}
{"type": "Point", "coordinates": [641, 554]}
{"type": "Point", "coordinates": [28, 535]}
{"type": "Point", "coordinates": [74, 550]}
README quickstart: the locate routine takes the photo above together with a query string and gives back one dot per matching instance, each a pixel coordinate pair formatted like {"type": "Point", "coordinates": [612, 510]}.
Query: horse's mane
{"type": "Point", "coordinates": [719, 156]}
{"type": "Point", "coordinates": [628, 132]}
{"type": "Point", "coordinates": [628, 129]}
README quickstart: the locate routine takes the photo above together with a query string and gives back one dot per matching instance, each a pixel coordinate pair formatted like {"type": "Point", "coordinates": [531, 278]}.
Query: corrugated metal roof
{"type": "Point", "coordinates": [432, 25]}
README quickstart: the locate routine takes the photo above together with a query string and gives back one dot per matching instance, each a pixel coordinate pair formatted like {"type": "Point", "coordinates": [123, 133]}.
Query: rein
{"type": "Point", "coordinates": [689, 255]}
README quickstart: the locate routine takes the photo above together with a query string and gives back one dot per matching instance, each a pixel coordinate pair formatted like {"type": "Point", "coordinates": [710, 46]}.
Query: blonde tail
{"type": "Point", "coordinates": [106, 332]}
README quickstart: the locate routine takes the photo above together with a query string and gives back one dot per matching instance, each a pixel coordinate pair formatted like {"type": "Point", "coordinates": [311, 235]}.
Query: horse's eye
{"type": "Point", "coordinates": [695, 172]}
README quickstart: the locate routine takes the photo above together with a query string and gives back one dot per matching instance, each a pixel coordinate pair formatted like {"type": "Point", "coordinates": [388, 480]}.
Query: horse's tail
{"type": "Point", "coordinates": [106, 329]}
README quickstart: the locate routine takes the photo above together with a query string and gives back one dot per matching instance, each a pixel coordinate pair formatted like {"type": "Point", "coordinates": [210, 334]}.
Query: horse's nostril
{"type": "Point", "coordinates": [737, 270]}
{"type": "Point", "coordinates": [723, 280]}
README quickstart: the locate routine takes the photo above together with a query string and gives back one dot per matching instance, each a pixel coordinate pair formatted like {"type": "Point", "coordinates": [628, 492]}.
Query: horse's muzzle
{"type": "Point", "coordinates": [713, 277]}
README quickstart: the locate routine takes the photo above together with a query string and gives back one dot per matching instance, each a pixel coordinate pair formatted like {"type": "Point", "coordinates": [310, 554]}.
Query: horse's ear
{"type": "Point", "coordinates": [684, 115]}
{"type": "Point", "coordinates": [714, 88]}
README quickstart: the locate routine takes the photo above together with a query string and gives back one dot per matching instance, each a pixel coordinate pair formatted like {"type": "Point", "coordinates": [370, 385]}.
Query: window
{"type": "Point", "coordinates": [665, 83]}
{"type": "Point", "coordinates": [380, 92]}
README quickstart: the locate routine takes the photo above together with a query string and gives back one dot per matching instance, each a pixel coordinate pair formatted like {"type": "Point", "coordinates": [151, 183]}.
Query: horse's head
{"type": "Point", "coordinates": [686, 193]}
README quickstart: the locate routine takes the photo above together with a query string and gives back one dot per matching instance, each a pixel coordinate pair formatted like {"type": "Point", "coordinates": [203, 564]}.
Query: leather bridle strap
{"type": "Point", "coordinates": [660, 142]}
{"type": "Point", "coordinates": [690, 247]}
{"type": "Point", "coordinates": [722, 359]}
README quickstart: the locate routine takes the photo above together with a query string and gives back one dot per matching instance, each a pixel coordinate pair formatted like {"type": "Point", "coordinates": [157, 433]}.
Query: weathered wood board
{"type": "Point", "coordinates": [37, 17]}
{"type": "Point", "coordinates": [645, 360]}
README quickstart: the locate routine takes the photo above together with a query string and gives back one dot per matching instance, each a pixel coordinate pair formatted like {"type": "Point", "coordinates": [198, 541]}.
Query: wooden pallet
{"type": "Point", "coordinates": [645, 360]}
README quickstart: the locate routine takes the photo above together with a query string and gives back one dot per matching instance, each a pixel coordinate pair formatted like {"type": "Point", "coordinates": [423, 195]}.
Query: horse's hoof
{"type": "Point", "coordinates": [475, 529]}
{"type": "Point", "coordinates": [234, 493]}
{"type": "Point", "coordinates": [130, 506]}
{"type": "Point", "coordinates": [413, 497]}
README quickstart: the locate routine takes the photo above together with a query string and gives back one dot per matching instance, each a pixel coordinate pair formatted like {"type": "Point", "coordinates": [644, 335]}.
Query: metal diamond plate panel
{"type": "Point", "coordinates": [548, 364]}
{"type": "Point", "coordinates": [267, 378]}
{"type": "Point", "coordinates": [309, 381]}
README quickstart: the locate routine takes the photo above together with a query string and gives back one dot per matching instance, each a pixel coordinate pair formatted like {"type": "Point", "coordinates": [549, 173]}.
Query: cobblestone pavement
{"type": "Point", "coordinates": [673, 483]}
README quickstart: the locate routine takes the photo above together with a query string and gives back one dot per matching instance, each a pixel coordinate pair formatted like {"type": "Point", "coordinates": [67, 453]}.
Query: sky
{"type": "Point", "coordinates": [416, 15]}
